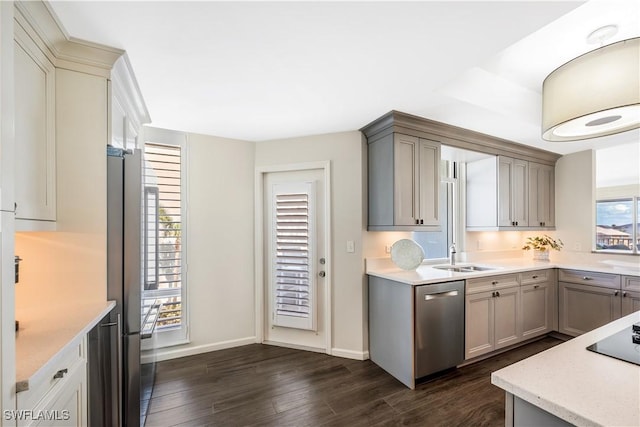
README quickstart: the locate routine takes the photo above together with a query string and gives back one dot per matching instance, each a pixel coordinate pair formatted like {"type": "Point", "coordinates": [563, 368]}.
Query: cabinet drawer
{"type": "Point", "coordinates": [631, 283]}
{"type": "Point", "coordinates": [536, 276]}
{"type": "Point", "coordinates": [590, 278]}
{"type": "Point", "coordinates": [491, 283]}
{"type": "Point", "coordinates": [45, 382]}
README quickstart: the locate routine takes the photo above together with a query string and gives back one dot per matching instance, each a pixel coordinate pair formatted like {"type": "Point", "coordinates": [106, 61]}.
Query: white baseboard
{"type": "Point", "coordinates": [187, 350]}
{"type": "Point", "coordinates": [295, 346]}
{"type": "Point", "coordinates": [350, 354]}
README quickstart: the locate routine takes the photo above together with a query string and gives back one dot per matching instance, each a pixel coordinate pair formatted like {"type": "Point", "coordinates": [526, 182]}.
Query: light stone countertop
{"type": "Point", "coordinates": [45, 334]}
{"type": "Point", "coordinates": [579, 386]}
{"type": "Point", "coordinates": [426, 274]}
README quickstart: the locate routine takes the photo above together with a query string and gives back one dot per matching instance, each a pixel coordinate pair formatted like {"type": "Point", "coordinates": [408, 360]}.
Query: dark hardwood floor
{"type": "Point", "coordinates": [267, 385]}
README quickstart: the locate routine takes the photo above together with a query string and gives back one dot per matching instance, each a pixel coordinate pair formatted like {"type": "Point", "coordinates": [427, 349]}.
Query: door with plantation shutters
{"type": "Point", "coordinates": [295, 264]}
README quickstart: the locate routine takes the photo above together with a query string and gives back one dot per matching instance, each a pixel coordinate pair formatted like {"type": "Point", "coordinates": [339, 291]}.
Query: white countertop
{"type": "Point", "coordinates": [577, 385]}
{"type": "Point", "coordinates": [45, 333]}
{"type": "Point", "coordinates": [426, 274]}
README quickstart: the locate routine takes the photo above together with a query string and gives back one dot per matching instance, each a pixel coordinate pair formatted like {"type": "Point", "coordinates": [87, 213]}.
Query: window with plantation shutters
{"type": "Point", "coordinates": [293, 284]}
{"type": "Point", "coordinates": [163, 234]}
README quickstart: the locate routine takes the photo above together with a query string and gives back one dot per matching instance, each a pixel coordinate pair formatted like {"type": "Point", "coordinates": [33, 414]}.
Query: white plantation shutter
{"type": "Point", "coordinates": [292, 275]}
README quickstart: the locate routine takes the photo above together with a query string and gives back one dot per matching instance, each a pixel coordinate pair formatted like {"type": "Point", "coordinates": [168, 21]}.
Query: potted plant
{"type": "Point", "coordinates": [541, 246]}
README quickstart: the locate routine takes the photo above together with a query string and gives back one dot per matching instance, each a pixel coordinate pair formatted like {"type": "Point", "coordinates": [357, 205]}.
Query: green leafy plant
{"type": "Point", "coordinates": [542, 243]}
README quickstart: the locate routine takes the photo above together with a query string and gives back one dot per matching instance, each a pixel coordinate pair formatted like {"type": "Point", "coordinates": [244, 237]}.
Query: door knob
{"type": "Point", "coordinates": [322, 274]}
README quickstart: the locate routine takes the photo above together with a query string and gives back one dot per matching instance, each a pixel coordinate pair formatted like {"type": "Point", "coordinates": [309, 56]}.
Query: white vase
{"type": "Point", "coordinates": [540, 255]}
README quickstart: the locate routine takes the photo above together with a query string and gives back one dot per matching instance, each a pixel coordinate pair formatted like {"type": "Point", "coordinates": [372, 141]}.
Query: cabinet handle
{"type": "Point", "coordinates": [536, 286]}
{"type": "Point", "coordinates": [60, 373]}
{"type": "Point", "coordinates": [421, 221]}
{"type": "Point", "coordinates": [417, 221]}
{"type": "Point", "coordinates": [624, 294]}
{"type": "Point", "coordinates": [587, 278]}
{"type": "Point", "coordinates": [493, 294]}
{"type": "Point", "coordinates": [534, 276]}
{"type": "Point", "coordinates": [615, 294]}
{"type": "Point", "coordinates": [497, 294]}
{"type": "Point", "coordinates": [495, 282]}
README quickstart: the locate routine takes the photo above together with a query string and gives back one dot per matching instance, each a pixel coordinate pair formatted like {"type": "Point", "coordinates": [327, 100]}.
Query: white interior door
{"type": "Point", "coordinates": [295, 262]}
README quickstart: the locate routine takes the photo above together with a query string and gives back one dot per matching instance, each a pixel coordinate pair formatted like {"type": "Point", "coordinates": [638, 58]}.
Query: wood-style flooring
{"type": "Point", "coordinates": [274, 386]}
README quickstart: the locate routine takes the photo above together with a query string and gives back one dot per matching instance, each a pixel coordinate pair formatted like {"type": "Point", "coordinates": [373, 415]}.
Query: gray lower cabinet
{"type": "Point", "coordinates": [630, 294]}
{"type": "Point", "coordinates": [539, 303]}
{"type": "Point", "coordinates": [492, 316]}
{"type": "Point", "coordinates": [587, 300]}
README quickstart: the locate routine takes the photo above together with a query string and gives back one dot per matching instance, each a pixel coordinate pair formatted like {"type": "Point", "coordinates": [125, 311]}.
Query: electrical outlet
{"type": "Point", "coordinates": [387, 249]}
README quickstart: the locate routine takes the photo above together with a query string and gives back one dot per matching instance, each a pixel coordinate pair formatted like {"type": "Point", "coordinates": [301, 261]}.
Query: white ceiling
{"type": "Point", "coordinates": [269, 70]}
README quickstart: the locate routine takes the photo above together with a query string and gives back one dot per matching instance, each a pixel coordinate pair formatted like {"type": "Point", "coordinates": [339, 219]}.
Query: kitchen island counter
{"type": "Point", "coordinates": [576, 385]}
{"type": "Point", "coordinates": [46, 333]}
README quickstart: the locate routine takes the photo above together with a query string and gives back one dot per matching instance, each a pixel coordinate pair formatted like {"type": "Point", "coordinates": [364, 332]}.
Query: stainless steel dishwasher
{"type": "Point", "coordinates": [439, 327]}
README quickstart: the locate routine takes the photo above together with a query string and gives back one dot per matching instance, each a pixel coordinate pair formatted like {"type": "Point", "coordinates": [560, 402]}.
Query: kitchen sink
{"type": "Point", "coordinates": [462, 268]}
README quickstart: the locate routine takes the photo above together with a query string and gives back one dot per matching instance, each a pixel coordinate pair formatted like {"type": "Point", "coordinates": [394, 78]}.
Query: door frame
{"type": "Point", "coordinates": [259, 293]}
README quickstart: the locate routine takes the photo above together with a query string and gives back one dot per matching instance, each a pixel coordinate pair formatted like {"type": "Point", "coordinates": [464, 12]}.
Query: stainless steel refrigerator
{"type": "Point", "coordinates": [124, 272]}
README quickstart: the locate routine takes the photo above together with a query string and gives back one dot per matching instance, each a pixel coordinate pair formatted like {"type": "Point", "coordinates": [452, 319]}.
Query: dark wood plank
{"type": "Point", "coordinates": [275, 386]}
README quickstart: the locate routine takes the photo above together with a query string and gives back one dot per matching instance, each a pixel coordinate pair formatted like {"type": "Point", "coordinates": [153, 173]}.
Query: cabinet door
{"type": "Point", "coordinates": [479, 332]}
{"type": "Point", "coordinates": [507, 317]}
{"type": "Point", "coordinates": [406, 180]}
{"type": "Point", "coordinates": [541, 195]}
{"type": "Point", "coordinates": [70, 407]}
{"type": "Point", "coordinates": [630, 302]}
{"type": "Point", "coordinates": [429, 182]}
{"type": "Point", "coordinates": [584, 308]}
{"type": "Point", "coordinates": [513, 192]}
{"type": "Point", "coordinates": [505, 206]}
{"type": "Point", "coordinates": [536, 309]}
{"type": "Point", "coordinates": [34, 131]}
{"type": "Point", "coordinates": [520, 192]}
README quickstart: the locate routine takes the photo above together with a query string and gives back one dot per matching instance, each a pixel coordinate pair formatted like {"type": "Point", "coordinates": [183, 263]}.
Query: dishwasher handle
{"type": "Point", "coordinates": [446, 294]}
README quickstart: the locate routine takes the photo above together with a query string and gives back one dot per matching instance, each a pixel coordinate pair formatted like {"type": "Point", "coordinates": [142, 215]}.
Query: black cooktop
{"type": "Point", "coordinates": [623, 345]}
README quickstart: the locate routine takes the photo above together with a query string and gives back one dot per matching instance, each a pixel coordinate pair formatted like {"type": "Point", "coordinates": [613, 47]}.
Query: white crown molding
{"type": "Point", "coordinates": [126, 90]}
{"type": "Point", "coordinates": [40, 22]}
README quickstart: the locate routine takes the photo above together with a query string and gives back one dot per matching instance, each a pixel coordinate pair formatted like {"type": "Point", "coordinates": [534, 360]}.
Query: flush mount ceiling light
{"type": "Point", "coordinates": [596, 94]}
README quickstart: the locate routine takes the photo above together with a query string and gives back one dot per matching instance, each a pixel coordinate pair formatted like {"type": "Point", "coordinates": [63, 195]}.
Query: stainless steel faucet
{"type": "Point", "coordinates": [452, 254]}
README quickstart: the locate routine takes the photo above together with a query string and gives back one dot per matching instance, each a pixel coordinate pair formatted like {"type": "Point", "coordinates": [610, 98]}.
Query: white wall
{"type": "Point", "coordinates": [575, 207]}
{"type": "Point", "coordinates": [345, 152]}
{"type": "Point", "coordinates": [220, 174]}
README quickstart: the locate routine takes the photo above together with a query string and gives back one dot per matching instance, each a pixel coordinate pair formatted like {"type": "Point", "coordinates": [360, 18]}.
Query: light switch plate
{"type": "Point", "coordinates": [351, 246]}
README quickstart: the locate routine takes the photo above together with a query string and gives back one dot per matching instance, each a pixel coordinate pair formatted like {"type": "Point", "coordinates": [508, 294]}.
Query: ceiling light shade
{"type": "Point", "coordinates": [596, 94]}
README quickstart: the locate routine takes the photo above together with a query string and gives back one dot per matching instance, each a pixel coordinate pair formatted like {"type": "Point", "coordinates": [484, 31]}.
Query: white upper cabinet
{"type": "Point", "coordinates": [35, 147]}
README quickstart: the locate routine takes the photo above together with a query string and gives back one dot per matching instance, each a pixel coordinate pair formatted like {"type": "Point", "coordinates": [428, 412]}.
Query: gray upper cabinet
{"type": "Point", "coordinates": [541, 195]}
{"type": "Point", "coordinates": [404, 182]}
{"type": "Point", "coordinates": [512, 192]}
{"type": "Point", "coordinates": [404, 177]}
{"type": "Point", "coordinates": [504, 193]}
